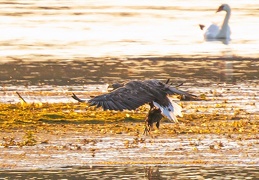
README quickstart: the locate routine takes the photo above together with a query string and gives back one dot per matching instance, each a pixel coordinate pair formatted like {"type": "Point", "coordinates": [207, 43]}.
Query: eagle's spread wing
{"type": "Point", "coordinates": [135, 94]}
{"type": "Point", "coordinates": [130, 96]}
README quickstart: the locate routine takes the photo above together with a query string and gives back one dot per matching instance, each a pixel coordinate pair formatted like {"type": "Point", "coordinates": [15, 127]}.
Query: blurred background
{"type": "Point", "coordinates": [117, 28]}
{"type": "Point", "coordinates": [94, 42]}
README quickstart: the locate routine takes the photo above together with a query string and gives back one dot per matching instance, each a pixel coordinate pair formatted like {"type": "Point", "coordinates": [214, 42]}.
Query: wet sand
{"type": "Point", "coordinates": [55, 71]}
{"type": "Point", "coordinates": [90, 149]}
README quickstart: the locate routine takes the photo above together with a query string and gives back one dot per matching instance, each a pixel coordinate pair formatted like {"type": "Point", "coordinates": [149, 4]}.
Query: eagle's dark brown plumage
{"type": "Point", "coordinates": [137, 93]}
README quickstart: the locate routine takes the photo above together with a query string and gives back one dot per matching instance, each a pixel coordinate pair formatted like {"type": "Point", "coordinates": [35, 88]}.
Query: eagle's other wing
{"type": "Point", "coordinates": [173, 90]}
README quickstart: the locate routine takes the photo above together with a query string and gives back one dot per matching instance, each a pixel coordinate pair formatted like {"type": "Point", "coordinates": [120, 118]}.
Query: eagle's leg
{"type": "Point", "coordinates": [158, 124]}
{"type": "Point", "coordinates": [147, 127]}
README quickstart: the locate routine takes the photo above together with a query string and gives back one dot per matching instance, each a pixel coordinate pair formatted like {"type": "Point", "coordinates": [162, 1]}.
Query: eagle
{"type": "Point", "coordinates": [135, 93]}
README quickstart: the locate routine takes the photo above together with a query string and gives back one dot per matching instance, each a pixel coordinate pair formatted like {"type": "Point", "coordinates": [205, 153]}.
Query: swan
{"type": "Point", "coordinates": [215, 32]}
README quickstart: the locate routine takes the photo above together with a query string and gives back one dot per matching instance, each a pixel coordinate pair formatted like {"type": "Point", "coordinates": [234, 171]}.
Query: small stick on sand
{"type": "Point", "coordinates": [20, 97]}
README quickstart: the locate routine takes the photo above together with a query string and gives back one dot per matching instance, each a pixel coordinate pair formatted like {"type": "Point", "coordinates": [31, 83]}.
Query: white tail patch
{"type": "Point", "coordinates": [170, 111]}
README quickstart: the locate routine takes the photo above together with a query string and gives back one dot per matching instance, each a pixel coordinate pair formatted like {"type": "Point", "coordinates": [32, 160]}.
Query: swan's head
{"type": "Point", "coordinates": [223, 7]}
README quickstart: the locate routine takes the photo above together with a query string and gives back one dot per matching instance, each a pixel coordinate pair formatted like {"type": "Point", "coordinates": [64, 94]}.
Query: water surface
{"type": "Point", "coordinates": [61, 29]}
{"type": "Point", "coordinates": [137, 172]}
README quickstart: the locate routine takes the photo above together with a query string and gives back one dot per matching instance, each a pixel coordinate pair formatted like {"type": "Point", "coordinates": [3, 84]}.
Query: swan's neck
{"type": "Point", "coordinates": [225, 22]}
{"type": "Point", "coordinates": [224, 27]}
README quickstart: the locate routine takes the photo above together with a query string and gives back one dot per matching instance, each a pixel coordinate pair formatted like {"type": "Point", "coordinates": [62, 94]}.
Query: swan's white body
{"type": "Point", "coordinates": [215, 32]}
